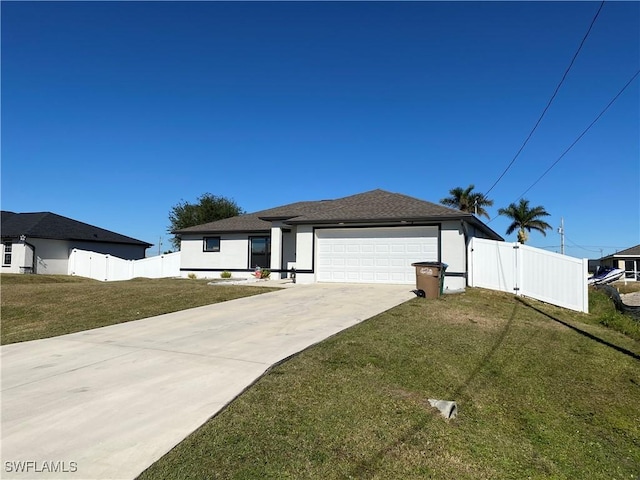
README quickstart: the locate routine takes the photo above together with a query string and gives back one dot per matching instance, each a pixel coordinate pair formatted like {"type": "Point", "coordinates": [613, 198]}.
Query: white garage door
{"type": "Point", "coordinates": [374, 255]}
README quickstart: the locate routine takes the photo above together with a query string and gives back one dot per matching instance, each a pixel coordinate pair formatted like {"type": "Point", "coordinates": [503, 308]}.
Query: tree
{"type": "Point", "coordinates": [208, 208]}
{"type": "Point", "coordinates": [525, 219]}
{"type": "Point", "coordinates": [468, 201]}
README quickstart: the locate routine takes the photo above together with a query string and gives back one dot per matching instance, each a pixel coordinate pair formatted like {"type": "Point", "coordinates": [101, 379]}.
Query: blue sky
{"type": "Point", "coordinates": [113, 112]}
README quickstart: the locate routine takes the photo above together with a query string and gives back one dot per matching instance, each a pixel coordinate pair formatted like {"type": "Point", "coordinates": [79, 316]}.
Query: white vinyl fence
{"type": "Point", "coordinates": [109, 268]}
{"type": "Point", "coordinates": [528, 271]}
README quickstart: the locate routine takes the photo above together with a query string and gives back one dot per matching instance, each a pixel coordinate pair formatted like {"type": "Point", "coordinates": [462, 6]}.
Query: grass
{"type": "Point", "coordinates": [603, 312]}
{"type": "Point", "coordinates": [41, 306]}
{"type": "Point", "coordinates": [543, 393]}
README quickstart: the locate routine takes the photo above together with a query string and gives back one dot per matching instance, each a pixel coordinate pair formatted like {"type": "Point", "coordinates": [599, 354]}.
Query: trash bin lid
{"type": "Point", "coordinates": [427, 264]}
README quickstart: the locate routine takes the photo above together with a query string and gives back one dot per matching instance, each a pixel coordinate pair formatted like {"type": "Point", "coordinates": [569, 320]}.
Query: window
{"type": "Point", "coordinates": [8, 247]}
{"type": "Point", "coordinates": [260, 252]}
{"type": "Point", "coordinates": [211, 244]}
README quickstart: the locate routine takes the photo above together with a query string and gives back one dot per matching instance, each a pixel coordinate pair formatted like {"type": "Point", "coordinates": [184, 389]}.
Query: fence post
{"type": "Point", "coordinates": [470, 263]}
{"type": "Point", "coordinates": [517, 275]}
{"type": "Point", "coordinates": [585, 286]}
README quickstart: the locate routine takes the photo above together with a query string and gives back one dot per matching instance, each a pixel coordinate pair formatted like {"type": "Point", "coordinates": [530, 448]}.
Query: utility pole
{"type": "Point", "coordinates": [561, 232]}
{"type": "Point", "coordinates": [159, 245]}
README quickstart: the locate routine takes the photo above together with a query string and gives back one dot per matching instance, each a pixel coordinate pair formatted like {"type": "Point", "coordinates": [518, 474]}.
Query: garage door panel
{"type": "Point", "coordinates": [414, 248]}
{"type": "Point", "coordinates": [374, 255]}
{"type": "Point", "coordinates": [367, 262]}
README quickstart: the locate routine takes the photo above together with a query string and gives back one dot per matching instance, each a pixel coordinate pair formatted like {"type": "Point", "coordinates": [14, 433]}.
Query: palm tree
{"type": "Point", "coordinates": [525, 219]}
{"type": "Point", "coordinates": [467, 200]}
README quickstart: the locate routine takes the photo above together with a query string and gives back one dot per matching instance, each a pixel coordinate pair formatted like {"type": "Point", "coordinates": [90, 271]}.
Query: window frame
{"type": "Point", "coordinates": [213, 250]}
{"type": "Point", "coordinates": [267, 254]}
{"type": "Point", "coordinates": [7, 252]}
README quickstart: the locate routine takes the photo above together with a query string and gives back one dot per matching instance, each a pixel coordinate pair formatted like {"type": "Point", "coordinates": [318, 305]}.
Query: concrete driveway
{"type": "Point", "coordinates": [107, 403]}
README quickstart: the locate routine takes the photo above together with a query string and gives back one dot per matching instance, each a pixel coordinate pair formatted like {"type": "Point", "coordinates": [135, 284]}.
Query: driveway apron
{"type": "Point", "coordinates": [107, 403]}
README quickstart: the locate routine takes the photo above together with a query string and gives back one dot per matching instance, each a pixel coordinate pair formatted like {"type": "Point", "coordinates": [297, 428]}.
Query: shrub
{"type": "Point", "coordinates": [262, 273]}
{"type": "Point", "coordinates": [192, 276]}
{"type": "Point", "coordinates": [225, 274]}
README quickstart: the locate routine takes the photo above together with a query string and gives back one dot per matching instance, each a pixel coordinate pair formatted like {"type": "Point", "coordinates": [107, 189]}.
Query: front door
{"type": "Point", "coordinates": [260, 252]}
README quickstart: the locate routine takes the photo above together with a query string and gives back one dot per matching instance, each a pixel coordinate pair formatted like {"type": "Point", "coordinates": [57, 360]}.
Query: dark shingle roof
{"type": "Point", "coordinates": [249, 222]}
{"type": "Point", "coordinates": [629, 252]}
{"type": "Point", "coordinates": [373, 206]}
{"type": "Point", "coordinates": [56, 227]}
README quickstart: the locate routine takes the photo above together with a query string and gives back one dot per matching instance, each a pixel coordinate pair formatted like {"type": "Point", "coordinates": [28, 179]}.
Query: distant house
{"type": "Point", "coordinates": [371, 237]}
{"type": "Point", "coordinates": [628, 259]}
{"type": "Point", "coordinates": [41, 242]}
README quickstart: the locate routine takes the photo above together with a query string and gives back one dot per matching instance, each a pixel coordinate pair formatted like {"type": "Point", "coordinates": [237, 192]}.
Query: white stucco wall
{"type": "Point", "coordinates": [19, 258]}
{"type": "Point", "coordinates": [276, 249]}
{"type": "Point", "coordinates": [233, 254]}
{"type": "Point", "coordinates": [299, 245]}
{"type": "Point", "coordinates": [304, 253]}
{"type": "Point", "coordinates": [283, 248]}
{"type": "Point", "coordinates": [453, 252]}
{"type": "Point", "coordinates": [52, 256]}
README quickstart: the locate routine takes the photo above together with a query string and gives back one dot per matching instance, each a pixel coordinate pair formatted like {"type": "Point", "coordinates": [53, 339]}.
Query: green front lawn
{"type": "Point", "coordinates": [536, 399]}
{"type": "Point", "coordinates": [41, 306]}
{"type": "Point", "coordinates": [542, 392]}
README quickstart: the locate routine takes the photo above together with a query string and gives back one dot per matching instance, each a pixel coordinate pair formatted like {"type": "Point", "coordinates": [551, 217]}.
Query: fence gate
{"type": "Point", "coordinates": [532, 272]}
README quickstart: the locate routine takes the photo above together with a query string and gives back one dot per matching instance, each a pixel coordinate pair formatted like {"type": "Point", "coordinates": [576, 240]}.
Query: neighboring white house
{"type": "Point", "coordinates": [371, 237]}
{"type": "Point", "coordinates": [42, 242]}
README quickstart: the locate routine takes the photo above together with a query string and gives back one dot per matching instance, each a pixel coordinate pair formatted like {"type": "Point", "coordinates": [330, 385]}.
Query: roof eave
{"type": "Point", "coordinates": [135, 242]}
{"type": "Point", "coordinates": [138, 243]}
{"type": "Point", "coordinates": [338, 221]}
{"type": "Point", "coordinates": [220, 232]}
{"type": "Point", "coordinates": [278, 218]}
{"type": "Point", "coordinates": [401, 221]}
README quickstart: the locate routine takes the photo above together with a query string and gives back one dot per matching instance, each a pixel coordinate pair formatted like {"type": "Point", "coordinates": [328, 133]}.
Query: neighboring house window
{"type": "Point", "coordinates": [211, 244]}
{"type": "Point", "coordinates": [8, 247]}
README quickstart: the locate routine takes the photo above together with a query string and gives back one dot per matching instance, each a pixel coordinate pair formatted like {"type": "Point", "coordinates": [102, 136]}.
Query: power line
{"type": "Point", "coordinates": [550, 100]}
{"type": "Point", "coordinates": [582, 134]}
{"type": "Point", "coordinates": [585, 248]}
{"type": "Point", "coordinates": [578, 138]}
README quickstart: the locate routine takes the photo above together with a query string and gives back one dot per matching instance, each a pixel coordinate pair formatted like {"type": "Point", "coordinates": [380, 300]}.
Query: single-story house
{"type": "Point", "coordinates": [41, 242]}
{"type": "Point", "coordinates": [371, 237]}
{"type": "Point", "coordinates": [628, 259]}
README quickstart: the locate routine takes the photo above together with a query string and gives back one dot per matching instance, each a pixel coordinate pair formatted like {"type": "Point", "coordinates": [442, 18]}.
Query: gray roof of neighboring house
{"type": "Point", "coordinates": [629, 252]}
{"type": "Point", "coordinates": [368, 207]}
{"type": "Point", "coordinates": [56, 227]}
